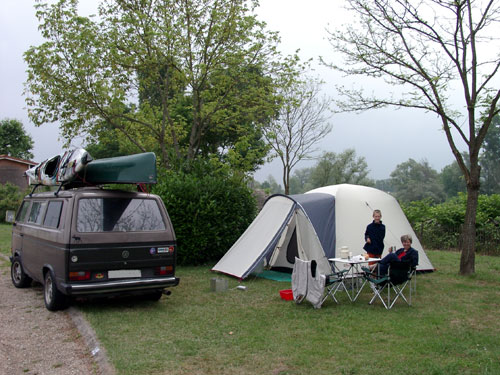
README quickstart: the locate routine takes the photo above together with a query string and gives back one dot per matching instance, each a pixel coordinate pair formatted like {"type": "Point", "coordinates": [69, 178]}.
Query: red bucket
{"type": "Point", "coordinates": [286, 294]}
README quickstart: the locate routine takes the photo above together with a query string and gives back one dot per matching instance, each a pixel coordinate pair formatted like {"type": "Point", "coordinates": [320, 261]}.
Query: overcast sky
{"type": "Point", "coordinates": [385, 137]}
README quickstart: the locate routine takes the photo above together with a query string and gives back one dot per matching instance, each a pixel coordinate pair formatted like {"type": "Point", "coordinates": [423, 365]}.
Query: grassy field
{"type": "Point", "coordinates": [5, 234]}
{"type": "Point", "coordinates": [452, 327]}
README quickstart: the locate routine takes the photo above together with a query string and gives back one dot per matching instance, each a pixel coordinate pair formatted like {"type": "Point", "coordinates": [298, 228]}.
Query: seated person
{"type": "Point", "coordinates": [405, 254]}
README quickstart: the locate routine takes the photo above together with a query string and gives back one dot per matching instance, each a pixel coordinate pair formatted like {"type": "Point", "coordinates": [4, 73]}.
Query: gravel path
{"type": "Point", "coordinates": [34, 340]}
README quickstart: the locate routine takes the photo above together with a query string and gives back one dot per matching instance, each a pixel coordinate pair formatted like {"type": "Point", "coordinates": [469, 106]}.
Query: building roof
{"type": "Point", "coordinates": [22, 161]}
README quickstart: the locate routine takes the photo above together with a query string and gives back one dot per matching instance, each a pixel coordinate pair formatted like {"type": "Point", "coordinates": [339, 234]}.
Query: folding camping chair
{"type": "Point", "coordinates": [398, 279]}
{"type": "Point", "coordinates": [333, 283]}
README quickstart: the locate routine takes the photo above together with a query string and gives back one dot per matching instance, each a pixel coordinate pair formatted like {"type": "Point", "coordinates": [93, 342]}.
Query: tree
{"type": "Point", "coordinates": [271, 186]}
{"type": "Point", "coordinates": [413, 181]}
{"type": "Point", "coordinates": [186, 79]}
{"type": "Point", "coordinates": [14, 141]}
{"type": "Point", "coordinates": [10, 199]}
{"type": "Point", "coordinates": [452, 180]}
{"type": "Point", "coordinates": [342, 168]}
{"type": "Point", "coordinates": [490, 159]}
{"type": "Point", "coordinates": [384, 185]}
{"type": "Point", "coordinates": [299, 125]}
{"type": "Point", "coordinates": [429, 49]}
{"type": "Point", "coordinates": [300, 182]}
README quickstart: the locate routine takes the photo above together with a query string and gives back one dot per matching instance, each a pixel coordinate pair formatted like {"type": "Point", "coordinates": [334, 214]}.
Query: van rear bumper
{"type": "Point", "coordinates": [119, 285]}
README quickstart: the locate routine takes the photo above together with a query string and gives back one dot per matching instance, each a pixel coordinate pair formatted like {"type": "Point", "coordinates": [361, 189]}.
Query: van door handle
{"type": "Point", "coordinates": [76, 238]}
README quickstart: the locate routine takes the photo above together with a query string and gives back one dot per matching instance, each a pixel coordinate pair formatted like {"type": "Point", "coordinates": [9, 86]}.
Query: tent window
{"type": "Point", "coordinates": [292, 250]}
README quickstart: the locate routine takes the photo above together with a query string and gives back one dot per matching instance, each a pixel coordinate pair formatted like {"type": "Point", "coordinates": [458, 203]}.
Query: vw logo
{"type": "Point", "coordinates": [125, 254]}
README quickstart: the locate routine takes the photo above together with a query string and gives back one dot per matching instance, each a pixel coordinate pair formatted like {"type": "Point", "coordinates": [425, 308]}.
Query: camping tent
{"type": "Point", "coordinates": [313, 226]}
{"type": "Point", "coordinates": [287, 226]}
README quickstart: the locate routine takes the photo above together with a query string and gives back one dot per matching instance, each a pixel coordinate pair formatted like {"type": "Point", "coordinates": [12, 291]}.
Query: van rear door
{"type": "Point", "coordinates": [120, 236]}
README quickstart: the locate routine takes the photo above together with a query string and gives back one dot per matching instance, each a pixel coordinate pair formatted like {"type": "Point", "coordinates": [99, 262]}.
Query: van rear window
{"type": "Point", "coordinates": [53, 214]}
{"type": "Point", "coordinates": [118, 215]}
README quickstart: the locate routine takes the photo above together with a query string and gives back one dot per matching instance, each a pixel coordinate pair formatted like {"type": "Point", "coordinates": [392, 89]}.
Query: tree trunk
{"type": "Point", "coordinates": [286, 179]}
{"type": "Point", "coordinates": [468, 245]}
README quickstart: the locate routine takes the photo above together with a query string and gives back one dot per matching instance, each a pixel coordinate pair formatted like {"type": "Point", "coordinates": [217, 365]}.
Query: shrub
{"type": "Point", "coordinates": [209, 211]}
{"type": "Point", "coordinates": [10, 199]}
{"type": "Point", "coordinates": [438, 226]}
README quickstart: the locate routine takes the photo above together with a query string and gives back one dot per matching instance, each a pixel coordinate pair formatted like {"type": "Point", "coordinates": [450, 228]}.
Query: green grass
{"type": "Point", "coordinates": [5, 236]}
{"type": "Point", "coordinates": [452, 328]}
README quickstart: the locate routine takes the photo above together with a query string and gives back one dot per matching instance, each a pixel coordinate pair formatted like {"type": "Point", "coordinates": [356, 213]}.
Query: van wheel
{"type": "Point", "coordinates": [54, 299]}
{"type": "Point", "coordinates": [19, 278]}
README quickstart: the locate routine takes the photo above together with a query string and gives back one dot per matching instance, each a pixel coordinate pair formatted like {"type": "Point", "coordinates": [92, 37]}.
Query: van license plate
{"type": "Point", "coordinates": [118, 274]}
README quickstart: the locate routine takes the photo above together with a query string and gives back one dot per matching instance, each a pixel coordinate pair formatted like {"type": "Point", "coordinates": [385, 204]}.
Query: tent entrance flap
{"type": "Point", "coordinates": [279, 256]}
{"type": "Point", "coordinates": [309, 245]}
{"type": "Point", "coordinates": [300, 239]}
{"type": "Point", "coordinates": [292, 250]}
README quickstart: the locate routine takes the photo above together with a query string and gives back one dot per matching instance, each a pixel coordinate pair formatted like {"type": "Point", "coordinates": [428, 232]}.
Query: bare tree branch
{"type": "Point", "coordinates": [425, 47]}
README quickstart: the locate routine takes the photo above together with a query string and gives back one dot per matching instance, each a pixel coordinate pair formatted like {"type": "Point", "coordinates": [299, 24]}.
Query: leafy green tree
{"type": "Point", "coordinates": [302, 121]}
{"type": "Point", "coordinates": [490, 159]}
{"type": "Point", "coordinates": [342, 168]}
{"type": "Point", "coordinates": [271, 186]}
{"type": "Point", "coordinates": [384, 185]}
{"type": "Point", "coordinates": [14, 141]}
{"type": "Point", "coordinates": [452, 179]}
{"type": "Point", "coordinates": [428, 49]}
{"type": "Point", "coordinates": [300, 182]}
{"type": "Point", "coordinates": [185, 79]}
{"type": "Point", "coordinates": [414, 181]}
{"type": "Point", "coordinates": [10, 199]}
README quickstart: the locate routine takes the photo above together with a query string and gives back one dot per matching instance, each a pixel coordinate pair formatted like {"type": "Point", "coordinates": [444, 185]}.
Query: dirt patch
{"type": "Point", "coordinates": [34, 340]}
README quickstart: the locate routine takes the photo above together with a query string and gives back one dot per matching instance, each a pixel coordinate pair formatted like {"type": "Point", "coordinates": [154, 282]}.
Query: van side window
{"type": "Point", "coordinates": [118, 215]}
{"type": "Point", "coordinates": [36, 213]}
{"type": "Point", "coordinates": [53, 214]}
{"type": "Point", "coordinates": [21, 215]}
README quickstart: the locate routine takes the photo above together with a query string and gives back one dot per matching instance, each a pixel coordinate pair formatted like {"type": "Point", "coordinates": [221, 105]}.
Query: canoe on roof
{"type": "Point", "coordinates": [59, 169]}
{"type": "Point", "coordinates": [77, 168]}
{"type": "Point", "coordinates": [129, 169]}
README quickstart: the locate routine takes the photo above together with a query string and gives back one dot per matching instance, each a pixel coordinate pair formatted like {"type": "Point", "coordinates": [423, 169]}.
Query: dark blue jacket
{"type": "Point", "coordinates": [376, 232]}
{"type": "Point", "coordinates": [410, 256]}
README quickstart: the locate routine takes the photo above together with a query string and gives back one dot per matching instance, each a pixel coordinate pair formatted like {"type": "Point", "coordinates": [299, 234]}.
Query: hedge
{"type": "Point", "coordinates": [208, 211]}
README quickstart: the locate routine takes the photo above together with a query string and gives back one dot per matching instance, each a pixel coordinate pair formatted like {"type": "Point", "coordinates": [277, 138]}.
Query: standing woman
{"type": "Point", "coordinates": [374, 236]}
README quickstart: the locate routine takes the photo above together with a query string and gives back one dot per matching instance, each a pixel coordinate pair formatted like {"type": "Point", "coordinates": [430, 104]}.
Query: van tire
{"type": "Point", "coordinates": [19, 278]}
{"type": "Point", "coordinates": [54, 299]}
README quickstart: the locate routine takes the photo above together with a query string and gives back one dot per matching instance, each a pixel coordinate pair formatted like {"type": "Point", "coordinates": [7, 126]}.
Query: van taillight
{"type": "Point", "coordinates": [79, 275]}
{"type": "Point", "coordinates": [164, 270]}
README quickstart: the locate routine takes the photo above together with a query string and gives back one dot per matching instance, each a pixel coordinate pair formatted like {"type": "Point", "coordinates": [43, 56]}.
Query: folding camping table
{"type": "Point", "coordinates": [353, 272]}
